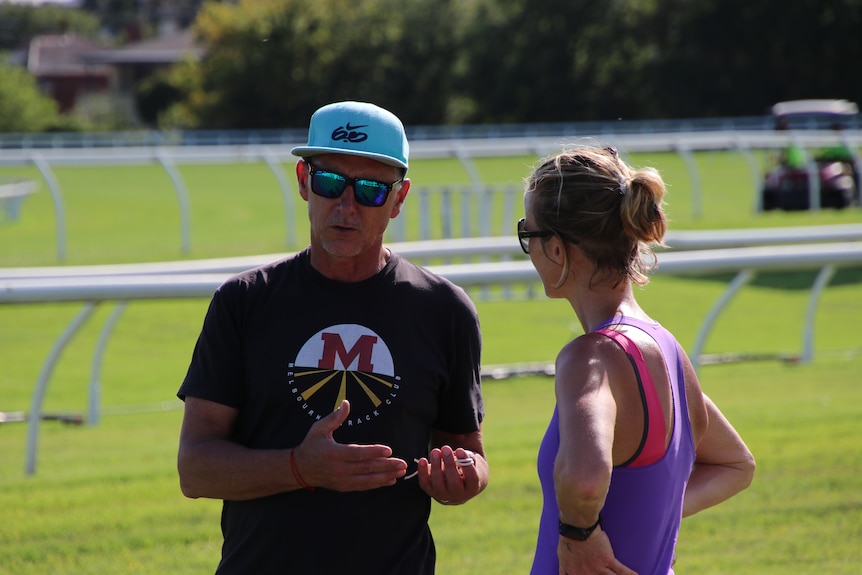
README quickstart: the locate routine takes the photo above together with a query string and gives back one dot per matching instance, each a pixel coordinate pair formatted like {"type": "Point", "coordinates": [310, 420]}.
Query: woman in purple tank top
{"type": "Point", "coordinates": [633, 445]}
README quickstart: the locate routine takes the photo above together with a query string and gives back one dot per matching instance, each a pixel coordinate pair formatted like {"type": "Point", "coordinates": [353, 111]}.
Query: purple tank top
{"type": "Point", "coordinates": [643, 509]}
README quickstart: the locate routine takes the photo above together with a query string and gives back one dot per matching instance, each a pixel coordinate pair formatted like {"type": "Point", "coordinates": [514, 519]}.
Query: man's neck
{"type": "Point", "coordinates": [349, 269]}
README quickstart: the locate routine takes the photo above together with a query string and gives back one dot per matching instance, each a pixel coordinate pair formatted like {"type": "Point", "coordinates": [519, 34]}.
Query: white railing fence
{"type": "Point", "coordinates": [455, 197]}
{"type": "Point", "coordinates": [501, 264]}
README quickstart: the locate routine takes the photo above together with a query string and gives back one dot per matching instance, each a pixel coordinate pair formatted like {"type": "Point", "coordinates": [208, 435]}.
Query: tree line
{"type": "Point", "coordinates": [271, 63]}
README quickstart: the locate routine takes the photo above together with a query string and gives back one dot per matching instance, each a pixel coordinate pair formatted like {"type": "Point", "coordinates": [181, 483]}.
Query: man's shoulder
{"type": "Point", "coordinates": [432, 285]}
{"type": "Point", "coordinates": [419, 274]}
{"type": "Point", "coordinates": [263, 275]}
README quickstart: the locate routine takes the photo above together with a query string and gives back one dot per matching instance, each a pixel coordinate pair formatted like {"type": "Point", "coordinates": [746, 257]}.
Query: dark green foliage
{"type": "Point", "coordinates": [511, 61]}
{"type": "Point", "coordinates": [155, 95]}
{"type": "Point", "coordinates": [19, 23]}
{"type": "Point", "coordinates": [739, 57]}
{"type": "Point", "coordinates": [270, 63]}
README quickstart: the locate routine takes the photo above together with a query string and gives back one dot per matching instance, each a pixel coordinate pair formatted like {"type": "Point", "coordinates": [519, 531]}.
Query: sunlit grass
{"type": "Point", "coordinates": [105, 498]}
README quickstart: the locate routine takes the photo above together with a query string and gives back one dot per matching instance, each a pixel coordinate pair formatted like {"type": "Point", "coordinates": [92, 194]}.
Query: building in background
{"type": "Point", "coordinates": [71, 69]}
{"type": "Point", "coordinates": [134, 62]}
{"type": "Point", "coordinates": [61, 71]}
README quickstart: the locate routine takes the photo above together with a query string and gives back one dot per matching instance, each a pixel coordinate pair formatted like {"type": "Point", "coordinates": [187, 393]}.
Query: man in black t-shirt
{"type": "Point", "coordinates": [331, 395]}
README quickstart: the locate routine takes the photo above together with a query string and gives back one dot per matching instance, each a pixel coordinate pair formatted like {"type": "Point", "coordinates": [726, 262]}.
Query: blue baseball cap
{"type": "Point", "coordinates": [356, 129]}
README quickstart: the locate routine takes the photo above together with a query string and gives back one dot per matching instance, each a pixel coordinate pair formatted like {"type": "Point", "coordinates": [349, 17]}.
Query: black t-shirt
{"type": "Point", "coordinates": [283, 344]}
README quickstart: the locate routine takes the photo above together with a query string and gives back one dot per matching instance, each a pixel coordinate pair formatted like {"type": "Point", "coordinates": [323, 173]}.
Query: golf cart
{"type": "Point", "coordinates": [799, 176]}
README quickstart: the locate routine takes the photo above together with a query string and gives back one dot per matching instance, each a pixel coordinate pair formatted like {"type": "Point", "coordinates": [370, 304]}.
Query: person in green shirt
{"type": "Point", "coordinates": [793, 156]}
{"type": "Point", "coordinates": [838, 152]}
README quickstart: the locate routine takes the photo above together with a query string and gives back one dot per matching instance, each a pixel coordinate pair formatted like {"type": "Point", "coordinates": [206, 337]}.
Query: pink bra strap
{"type": "Point", "coordinates": [652, 446]}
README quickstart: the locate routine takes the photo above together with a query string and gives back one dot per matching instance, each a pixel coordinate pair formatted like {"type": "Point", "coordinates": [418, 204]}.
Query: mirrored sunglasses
{"type": "Point", "coordinates": [331, 185]}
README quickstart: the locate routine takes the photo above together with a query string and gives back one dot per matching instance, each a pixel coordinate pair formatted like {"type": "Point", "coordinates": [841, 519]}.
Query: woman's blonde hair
{"type": "Point", "coordinates": [589, 196]}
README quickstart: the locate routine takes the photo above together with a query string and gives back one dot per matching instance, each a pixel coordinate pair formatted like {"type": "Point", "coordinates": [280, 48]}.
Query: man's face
{"type": "Point", "coordinates": [342, 227]}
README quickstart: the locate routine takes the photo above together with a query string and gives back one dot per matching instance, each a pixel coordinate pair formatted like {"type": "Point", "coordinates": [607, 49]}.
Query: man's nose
{"type": "Point", "coordinates": [347, 200]}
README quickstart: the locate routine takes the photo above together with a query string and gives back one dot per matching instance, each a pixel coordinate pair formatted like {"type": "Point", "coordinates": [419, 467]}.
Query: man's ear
{"type": "Point", "coordinates": [403, 188]}
{"type": "Point", "coordinates": [302, 178]}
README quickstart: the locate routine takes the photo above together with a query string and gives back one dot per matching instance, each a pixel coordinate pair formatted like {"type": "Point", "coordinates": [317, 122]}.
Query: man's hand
{"type": "Point", "coordinates": [324, 463]}
{"type": "Point", "coordinates": [452, 476]}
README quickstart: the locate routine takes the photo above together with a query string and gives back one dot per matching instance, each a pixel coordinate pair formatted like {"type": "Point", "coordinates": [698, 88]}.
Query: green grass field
{"type": "Point", "coordinates": [105, 498]}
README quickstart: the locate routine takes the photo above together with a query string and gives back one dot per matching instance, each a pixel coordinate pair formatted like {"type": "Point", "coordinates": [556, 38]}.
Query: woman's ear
{"type": "Point", "coordinates": [555, 250]}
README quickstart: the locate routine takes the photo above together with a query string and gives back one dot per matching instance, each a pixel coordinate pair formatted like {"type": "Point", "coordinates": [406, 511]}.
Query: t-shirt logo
{"type": "Point", "coordinates": [348, 133]}
{"type": "Point", "coordinates": [335, 352]}
{"type": "Point", "coordinates": [345, 361]}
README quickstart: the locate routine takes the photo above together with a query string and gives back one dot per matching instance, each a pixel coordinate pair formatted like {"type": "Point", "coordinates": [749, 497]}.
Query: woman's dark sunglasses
{"type": "Point", "coordinates": [524, 235]}
{"type": "Point", "coordinates": [332, 184]}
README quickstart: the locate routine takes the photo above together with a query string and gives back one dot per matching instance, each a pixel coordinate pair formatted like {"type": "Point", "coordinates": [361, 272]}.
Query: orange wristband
{"type": "Point", "coordinates": [296, 474]}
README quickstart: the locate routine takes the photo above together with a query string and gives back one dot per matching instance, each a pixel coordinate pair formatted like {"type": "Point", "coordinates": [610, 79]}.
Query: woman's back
{"type": "Point", "coordinates": [643, 508]}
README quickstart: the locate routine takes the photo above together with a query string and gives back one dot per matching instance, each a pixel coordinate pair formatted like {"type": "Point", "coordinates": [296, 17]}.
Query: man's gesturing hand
{"type": "Point", "coordinates": [322, 462]}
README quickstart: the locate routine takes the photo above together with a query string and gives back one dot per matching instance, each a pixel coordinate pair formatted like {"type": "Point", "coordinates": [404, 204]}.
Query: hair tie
{"type": "Point", "coordinates": [623, 186]}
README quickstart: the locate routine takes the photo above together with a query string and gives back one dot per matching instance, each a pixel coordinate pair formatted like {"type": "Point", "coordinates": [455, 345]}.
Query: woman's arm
{"type": "Point", "coordinates": [587, 416]}
{"type": "Point", "coordinates": [582, 470]}
{"type": "Point", "coordinates": [723, 466]}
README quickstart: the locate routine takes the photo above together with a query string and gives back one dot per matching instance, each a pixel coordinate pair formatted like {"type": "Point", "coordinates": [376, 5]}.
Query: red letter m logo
{"type": "Point", "coordinates": [333, 346]}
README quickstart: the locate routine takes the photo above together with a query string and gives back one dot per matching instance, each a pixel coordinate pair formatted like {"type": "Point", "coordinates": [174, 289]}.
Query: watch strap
{"type": "Point", "coordinates": [579, 533]}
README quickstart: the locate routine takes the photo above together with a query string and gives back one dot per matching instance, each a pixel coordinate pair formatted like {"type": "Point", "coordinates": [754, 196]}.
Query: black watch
{"type": "Point", "coordinates": [579, 533]}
